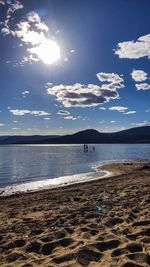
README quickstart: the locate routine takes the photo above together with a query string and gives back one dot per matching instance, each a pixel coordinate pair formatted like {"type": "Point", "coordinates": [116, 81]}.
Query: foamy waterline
{"type": "Point", "coordinates": [61, 181]}
{"type": "Point", "coordinates": [53, 183]}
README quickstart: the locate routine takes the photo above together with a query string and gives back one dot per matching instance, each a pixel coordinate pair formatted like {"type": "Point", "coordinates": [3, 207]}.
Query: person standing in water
{"type": "Point", "coordinates": [86, 148]}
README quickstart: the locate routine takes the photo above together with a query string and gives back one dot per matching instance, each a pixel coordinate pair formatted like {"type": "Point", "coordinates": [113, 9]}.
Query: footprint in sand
{"type": "Point", "coordinates": [131, 264]}
{"type": "Point", "coordinates": [110, 244]}
{"type": "Point", "coordinates": [34, 246]}
{"type": "Point", "coordinates": [15, 256]}
{"type": "Point", "coordinates": [49, 247]}
{"type": "Point", "coordinates": [139, 234]}
{"type": "Point", "coordinates": [141, 223]}
{"type": "Point", "coordinates": [18, 243]}
{"type": "Point", "coordinates": [140, 257]}
{"type": "Point", "coordinates": [61, 259]}
{"type": "Point", "coordinates": [132, 247]}
{"type": "Point", "coordinates": [85, 255]}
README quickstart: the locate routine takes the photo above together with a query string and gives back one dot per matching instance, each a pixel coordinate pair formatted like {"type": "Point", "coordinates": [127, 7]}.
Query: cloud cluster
{"type": "Point", "coordinates": [13, 6]}
{"type": "Point", "coordinates": [33, 33]}
{"type": "Point", "coordinates": [134, 50]}
{"type": "Point", "coordinates": [66, 115]}
{"type": "Point", "coordinates": [130, 112]}
{"type": "Point", "coordinates": [139, 75]}
{"type": "Point", "coordinates": [70, 118]}
{"type": "Point", "coordinates": [63, 112]}
{"type": "Point", "coordinates": [80, 95]}
{"type": "Point", "coordinates": [142, 86]}
{"type": "Point", "coordinates": [118, 108]}
{"type": "Point", "coordinates": [144, 123]}
{"type": "Point", "coordinates": [110, 78]}
{"type": "Point", "coordinates": [102, 108]}
{"type": "Point", "coordinates": [25, 93]}
{"type": "Point", "coordinates": [22, 112]}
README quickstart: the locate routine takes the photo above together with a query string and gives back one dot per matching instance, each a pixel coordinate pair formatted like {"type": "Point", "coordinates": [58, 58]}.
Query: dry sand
{"type": "Point", "coordinates": [63, 227]}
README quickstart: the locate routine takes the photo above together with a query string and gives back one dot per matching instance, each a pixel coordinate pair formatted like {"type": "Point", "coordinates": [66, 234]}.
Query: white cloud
{"type": "Point", "coordinates": [118, 108]}
{"type": "Point", "coordinates": [144, 123]}
{"type": "Point", "coordinates": [70, 118]}
{"type": "Point", "coordinates": [142, 86]}
{"type": "Point", "coordinates": [25, 93]}
{"type": "Point", "coordinates": [139, 75]}
{"type": "Point", "coordinates": [109, 77]}
{"type": "Point", "coordinates": [1, 124]}
{"type": "Point", "coordinates": [13, 6]}
{"type": "Point", "coordinates": [63, 112]}
{"type": "Point", "coordinates": [112, 121]}
{"type": "Point", "coordinates": [81, 95]}
{"type": "Point", "coordinates": [27, 35]}
{"type": "Point", "coordinates": [47, 119]}
{"type": "Point", "coordinates": [22, 112]}
{"type": "Point", "coordinates": [147, 110]}
{"type": "Point", "coordinates": [137, 49]}
{"type": "Point", "coordinates": [15, 128]}
{"type": "Point", "coordinates": [130, 112]}
{"type": "Point", "coordinates": [66, 115]}
{"type": "Point", "coordinates": [34, 18]}
{"type": "Point", "coordinates": [102, 108]}
{"type": "Point", "coordinates": [114, 81]}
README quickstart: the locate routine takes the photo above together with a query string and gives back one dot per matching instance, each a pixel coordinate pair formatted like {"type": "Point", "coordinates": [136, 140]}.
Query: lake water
{"type": "Point", "coordinates": [35, 166]}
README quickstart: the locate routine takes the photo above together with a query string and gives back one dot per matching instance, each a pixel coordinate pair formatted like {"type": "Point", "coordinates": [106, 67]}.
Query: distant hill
{"type": "Point", "coordinates": [90, 136]}
{"type": "Point", "coordinates": [20, 139]}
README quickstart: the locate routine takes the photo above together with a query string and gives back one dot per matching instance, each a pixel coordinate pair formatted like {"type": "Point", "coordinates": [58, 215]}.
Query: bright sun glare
{"type": "Point", "coordinates": [48, 51]}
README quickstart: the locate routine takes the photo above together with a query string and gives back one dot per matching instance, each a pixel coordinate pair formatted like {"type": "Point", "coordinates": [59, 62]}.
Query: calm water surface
{"type": "Point", "coordinates": [30, 163]}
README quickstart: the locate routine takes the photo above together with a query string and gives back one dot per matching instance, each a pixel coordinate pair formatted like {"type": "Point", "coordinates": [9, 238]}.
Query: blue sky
{"type": "Point", "coordinates": [70, 65]}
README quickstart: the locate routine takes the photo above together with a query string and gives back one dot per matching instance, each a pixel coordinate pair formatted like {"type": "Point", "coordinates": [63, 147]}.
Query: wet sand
{"type": "Point", "coordinates": [100, 223]}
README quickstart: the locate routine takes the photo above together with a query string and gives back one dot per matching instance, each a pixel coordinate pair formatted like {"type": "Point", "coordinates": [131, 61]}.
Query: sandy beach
{"type": "Point", "coordinates": [100, 223]}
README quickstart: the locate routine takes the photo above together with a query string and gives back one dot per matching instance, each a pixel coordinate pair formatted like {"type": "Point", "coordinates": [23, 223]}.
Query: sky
{"type": "Point", "coordinates": [68, 65]}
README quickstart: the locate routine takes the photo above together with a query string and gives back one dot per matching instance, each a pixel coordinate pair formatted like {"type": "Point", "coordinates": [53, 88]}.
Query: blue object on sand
{"type": "Point", "coordinates": [99, 209]}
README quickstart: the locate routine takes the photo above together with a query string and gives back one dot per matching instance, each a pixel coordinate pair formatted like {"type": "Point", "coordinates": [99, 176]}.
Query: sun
{"type": "Point", "coordinates": [48, 51]}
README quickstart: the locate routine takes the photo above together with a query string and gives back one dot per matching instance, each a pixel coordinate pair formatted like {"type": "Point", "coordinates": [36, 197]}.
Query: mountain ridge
{"type": "Point", "coordinates": [89, 136]}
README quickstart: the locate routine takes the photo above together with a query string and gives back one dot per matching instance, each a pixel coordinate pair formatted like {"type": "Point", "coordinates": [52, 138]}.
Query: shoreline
{"type": "Point", "coordinates": [108, 170]}
{"type": "Point", "coordinates": [103, 222]}
{"type": "Point", "coordinates": [54, 183]}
